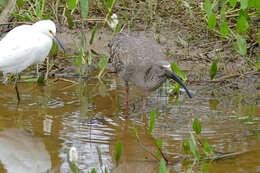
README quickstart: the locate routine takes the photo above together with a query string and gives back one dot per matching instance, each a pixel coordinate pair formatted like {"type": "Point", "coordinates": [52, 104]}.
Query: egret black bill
{"type": "Point", "coordinates": [58, 41]}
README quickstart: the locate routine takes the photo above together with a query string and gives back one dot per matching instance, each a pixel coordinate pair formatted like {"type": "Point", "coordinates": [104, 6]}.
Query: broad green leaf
{"type": "Point", "coordinates": [212, 21]}
{"type": "Point", "coordinates": [213, 70]}
{"type": "Point", "coordinates": [84, 7]}
{"type": "Point", "coordinates": [20, 3]}
{"type": "Point", "coordinates": [233, 3]}
{"type": "Point", "coordinates": [69, 19]}
{"type": "Point", "coordinates": [242, 25]}
{"type": "Point", "coordinates": [196, 126]}
{"type": "Point", "coordinates": [72, 4]}
{"type": "Point", "coordinates": [259, 37]}
{"type": "Point", "coordinates": [175, 68]}
{"type": "Point", "coordinates": [241, 45]}
{"type": "Point", "coordinates": [224, 29]}
{"type": "Point", "coordinates": [253, 3]}
{"type": "Point", "coordinates": [186, 147]}
{"type": "Point", "coordinates": [207, 7]}
{"type": "Point", "coordinates": [93, 170]}
{"type": "Point", "coordinates": [243, 12]}
{"type": "Point", "coordinates": [207, 147]}
{"type": "Point", "coordinates": [257, 4]}
{"type": "Point", "coordinates": [118, 152]}
{"type": "Point", "coordinates": [152, 121]}
{"type": "Point", "coordinates": [243, 4]}
{"type": "Point", "coordinates": [163, 166]}
{"type": "Point", "coordinates": [93, 34]}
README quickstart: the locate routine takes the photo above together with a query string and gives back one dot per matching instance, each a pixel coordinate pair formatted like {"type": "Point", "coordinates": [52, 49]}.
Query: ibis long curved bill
{"type": "Point", "coordinates": [179, 81]}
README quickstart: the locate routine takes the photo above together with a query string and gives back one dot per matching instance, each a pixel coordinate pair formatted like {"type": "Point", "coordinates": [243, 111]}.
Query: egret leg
{"type": "Point", "coordinates": [47, 68]}
{"type": "Point", "coordinates": [16, 87]}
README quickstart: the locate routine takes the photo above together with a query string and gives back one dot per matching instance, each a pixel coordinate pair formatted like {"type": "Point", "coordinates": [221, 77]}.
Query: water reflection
{"type": "Point", "coordinates": [23, 153]}
{"type": "Point", "coordinates": [61, 114]}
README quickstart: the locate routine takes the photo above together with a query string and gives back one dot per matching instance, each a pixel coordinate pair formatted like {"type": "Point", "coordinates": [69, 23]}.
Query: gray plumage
{"type": "Point", "coordinates": [140, 60]}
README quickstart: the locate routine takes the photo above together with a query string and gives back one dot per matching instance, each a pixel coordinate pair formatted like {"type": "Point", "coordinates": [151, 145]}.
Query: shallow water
{"type": "Point", "coordinates": [36, 134]}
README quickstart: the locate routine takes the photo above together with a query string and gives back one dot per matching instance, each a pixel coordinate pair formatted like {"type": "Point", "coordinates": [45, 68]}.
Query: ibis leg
{"type": "Point", "coordinates": [126, 93]}
{"type": "Point", "coordinates": [144, 101]}
{"type": "Point", "coordinates": [126, 98]}
{"type": "Point", "coordinates": [16, 87]}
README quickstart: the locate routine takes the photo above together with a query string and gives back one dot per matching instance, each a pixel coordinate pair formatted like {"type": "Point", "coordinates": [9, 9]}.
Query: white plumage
{"type": "Point", "coordinates": [26, 45]}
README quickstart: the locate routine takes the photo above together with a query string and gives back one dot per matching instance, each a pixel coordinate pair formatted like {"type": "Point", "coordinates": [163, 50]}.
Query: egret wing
{"type": "Point", "coordinates": [22, 47]}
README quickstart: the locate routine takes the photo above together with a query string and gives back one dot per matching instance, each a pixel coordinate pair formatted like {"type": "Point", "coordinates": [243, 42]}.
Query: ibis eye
{"type": "Point", "coordinates": [50, 32]}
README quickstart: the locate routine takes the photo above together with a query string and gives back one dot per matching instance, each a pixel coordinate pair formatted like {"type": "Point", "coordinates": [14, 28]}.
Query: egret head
{"type": "Point", "coordinates": [166, 69]}
{"type": "Point", "coordinates": [45, 27]}
{"type": "Point", "coordinates": [48, 28]}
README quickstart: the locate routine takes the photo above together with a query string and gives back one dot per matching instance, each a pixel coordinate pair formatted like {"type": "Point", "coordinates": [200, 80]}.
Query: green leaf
{"type": "Point", "coordinates": [102, 65]}
{"type": "Point", "coordinates": [257, 4]}
{"type": "Point", "coordinates": [213, 70]}
{"type": "Point", "coordinates": [118, 152]}
{"type": "Point", "coordinates": [223, 13]}
{"type": "Point", "coordinates": [20, 3]}
{"type": "Point", "coordinates": [69, 19]}
{"type": "Point", "coordinates": [175, 68]}
{"type": "Point", "coordinates": [224, 29]}
{"type": "Point", "coordinates": [84, 7]}
{"type": "Point", "coordinates": [196, 126]}
{"type": "Point", "coordinates": [72, 4]}
{"type": "Point", "coordinates": [54, 49]}
{"type": "Point", "coordinates": [233, 3]}
{"type": "Point", "coordinates": [207, 147]}
{"type": "Point", "coordinates": [259, 37]}
{"type": "Point", "coordinates": [242, 24]}
{"type": "Point", "coordinates": [93, 34]}
{"type": "Point", "coordinates": [27, 16]}
{"type": "Point", "coordinates": [241, 45]}
{"type": "Point", "coordinates": [212, 21]}
{"type": "Point", "coordinates": [186, 147]}
{"type": "Point", "coordinates": [243, 4]}
{"type": "Point", "coordinates": [250, 122]}
{"type": "Point", "coordinates": [163, 166]}
{"type": "Point", "coordinates": [207, 7]}
{"type": "Point", "coordinates": [159, 144]}
{"type": "Point", "coordinates": [93, 170]}
{"type": "Point", "coordinates": [193, 147]}
{"type": "Point", "coordinates": [152, 121]}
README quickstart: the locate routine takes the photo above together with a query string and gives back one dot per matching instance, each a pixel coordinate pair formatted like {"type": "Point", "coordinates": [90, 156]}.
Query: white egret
{"type": "Point", "coordinates": [26, 45]}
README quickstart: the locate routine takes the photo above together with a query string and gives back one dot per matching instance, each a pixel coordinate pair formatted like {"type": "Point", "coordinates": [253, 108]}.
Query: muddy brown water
{"type": "Point", "coordinates": [36, 134]}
